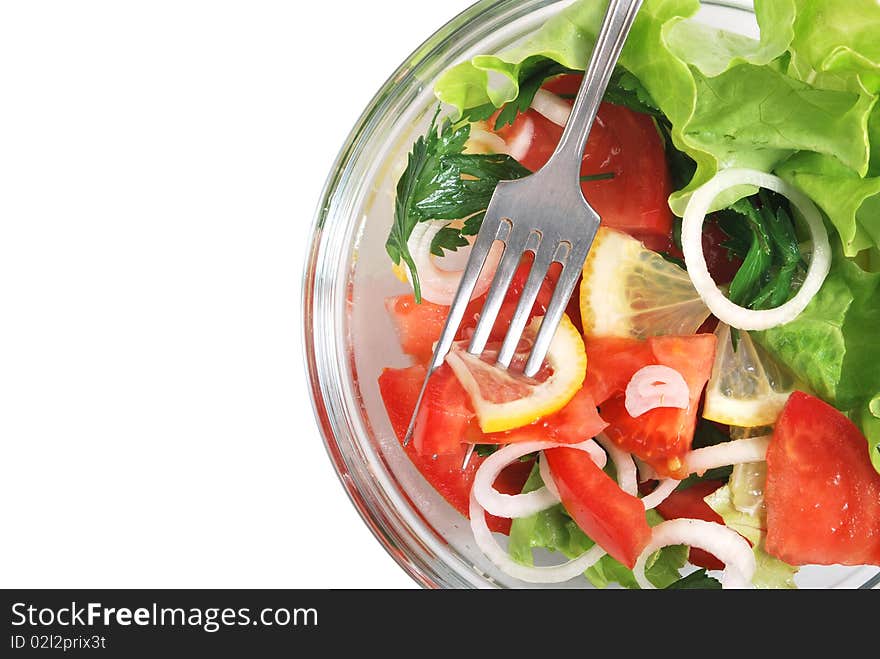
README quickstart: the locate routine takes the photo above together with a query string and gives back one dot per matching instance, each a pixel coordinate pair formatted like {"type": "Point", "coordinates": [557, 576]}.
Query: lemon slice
{"type": "Point", "coordinates": [504, 399]}
{"type": "Point", "coordinates": [630, 291]}
{"type": "Point", "coordinates": [747, 388]}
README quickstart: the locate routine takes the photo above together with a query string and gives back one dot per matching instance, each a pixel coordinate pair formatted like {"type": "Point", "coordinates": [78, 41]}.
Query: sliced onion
{"type": "Point", "coordinates": [664, 488]}
{"type": "Point", "coordinates": [724, 543]}
{"type": "Point", "coordinates": [553, 107]}
{"type": "Point", "coordinates": [646, 471]}
{"type": "Point", "coordinates": [555, 574]}
{"type": "Point", "coordinates": [732, 579]}
{"type": "Point", "coordinates": [489, 141]}
{"type": "Point", "coordinates": [518, 145]}
{"type": "Point", "coordinates": [738, 451]}
{"type": "Point", "coordinates": [624, 464]}
{"type": "Point", "coordinates": [692, 246]}
{"type": "Point", "coordinates": [521, 505]}
{"type": "Point", "coordinates": [656, 386]}
{"type": "Point", "coordinates": [438, 285]}
{"type": "Point", "coordinates": [547, 477]}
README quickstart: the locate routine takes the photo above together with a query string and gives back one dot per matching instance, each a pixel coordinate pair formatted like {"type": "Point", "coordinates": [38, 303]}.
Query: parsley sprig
{"type": "Point", "coordinates": [441, 182]}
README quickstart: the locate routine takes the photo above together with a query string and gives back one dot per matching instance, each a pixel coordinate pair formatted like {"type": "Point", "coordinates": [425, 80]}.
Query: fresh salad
{"type": "Point", "coordinates": [708, 413]}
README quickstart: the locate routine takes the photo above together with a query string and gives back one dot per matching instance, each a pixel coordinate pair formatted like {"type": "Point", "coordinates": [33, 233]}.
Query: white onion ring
{"type": "Point", "coordinates": [691, 239]}
{"type": "Point", "coordinates": [724, 543]}
{"type": "Point", "coordinates": [439, 286]}
{"type": "Point", "coordinates": [738, 451]}
{"type": "Point", "coordinates": [646, 471]}
{"type": "Point", "coordinates": [627, 477]}
{"type": "Point", "coordinates": [553, 107]}
{"type": "Point", "coordinates": [492, 142]}
{"type": "Point", "coordinates": [521, 141]}
{"type": "Point", "coordinates": [521, 505]}
{"type": "Point", "coordinates": [493, 551]}
{"type": "Point", "coordinates": [547, 477]}
{"type": "Point", "coordinates": [656, 386]}
{"type": "Point", "coordinates": [664, 488]}
{"type": "Point", "coordinates": [732, 579]}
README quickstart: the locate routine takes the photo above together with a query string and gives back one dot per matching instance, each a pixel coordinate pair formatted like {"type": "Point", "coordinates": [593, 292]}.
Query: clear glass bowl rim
{"type": "Point", "coordinates": [395, 534]}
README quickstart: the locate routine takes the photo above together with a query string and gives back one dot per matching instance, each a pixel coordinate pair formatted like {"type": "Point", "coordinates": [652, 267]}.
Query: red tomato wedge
{"type": "Point", "coordinates": [400, 388]}
{"type": "Point", "coordinates": [418, 325]}
{"type": "Point", "coordinates": [689, 504]}
{"type": "Point", "coordinates": [445, 417]}
{"type": "Point", "coordinates": [822, 494]}
{"type": "Point", "coordinates": [621, 142]}
{"type": "Point", "coordinates": [614, 519]}
{"type": "Point", "coordinates": [662, 436]}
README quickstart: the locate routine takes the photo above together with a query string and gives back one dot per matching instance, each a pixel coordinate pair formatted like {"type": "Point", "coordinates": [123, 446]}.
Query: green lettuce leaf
{"type": "Point", "coordinates": [851, 203]}
{"type": "Point", "coordinates": [869, 421]}
{"type": "Point", "coordinates": [874, 138]}
{"type": "Point", "coordinates": [770, 571]}
{"type": "Point", "coordinates": [832, 345]}
{"type": "Point", "coordinates": [835, 44]}
{"type": "Point", "coordinates": [713, 50]}
{"type": "Point", "coordinates": [554, 530]}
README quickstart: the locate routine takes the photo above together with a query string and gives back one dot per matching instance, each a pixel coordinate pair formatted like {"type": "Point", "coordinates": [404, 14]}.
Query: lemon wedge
{"type": "Point", "coordinates": [630, 291]}
{"type": "Point", "coordinates": [747, 388]}
{"type": "Point", "coordinates": [504, 399]}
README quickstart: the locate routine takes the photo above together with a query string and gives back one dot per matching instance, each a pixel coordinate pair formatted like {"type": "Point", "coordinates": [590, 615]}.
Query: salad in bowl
{"type": "Point", "coordinates": [708, 414]}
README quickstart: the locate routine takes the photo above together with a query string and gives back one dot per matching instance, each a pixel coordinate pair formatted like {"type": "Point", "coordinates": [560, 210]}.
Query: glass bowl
{"type": "Point", "coordinates": [349, 339]}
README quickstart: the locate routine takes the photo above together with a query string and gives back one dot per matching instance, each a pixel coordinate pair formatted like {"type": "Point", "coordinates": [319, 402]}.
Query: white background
{"type": "Point", "coordinates": [160, 163]}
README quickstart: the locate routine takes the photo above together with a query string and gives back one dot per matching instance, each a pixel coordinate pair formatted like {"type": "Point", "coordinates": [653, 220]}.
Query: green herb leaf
{"type": "Point", "coordinates": [750, 277]}
{"type": "Point", "coordinates": [532, 74]}
{"type": "Point", "coordinates": [625, 89]}
{"type": "Point", "coordinates": [698, 580]}
{"type": "Point", "coordinates": [448, 238]}
{"type": "Point", "coordinates": [441, 182]}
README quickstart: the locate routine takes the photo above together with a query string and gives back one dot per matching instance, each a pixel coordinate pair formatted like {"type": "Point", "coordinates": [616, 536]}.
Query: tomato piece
{"type": "Point", "coordinates": [662, 436]}
{"type": "Point", "coordinates": [689, 504]}
{"type": "Point", "coordinates": [612, 518]}
{"type": "Point", "coordinates": [611, 363]}
{"type": "Point", "coordinates": [445, 417]}
{"type": "Point", "coordinates": [418, 326]}
{"type": "Point", "coordinates": [567, 84]}
{"type": "Point", "coordinates": [579, 420]}
{"type": "Point", "coordinates": [400, 389]}
{"type": "Point", "coordinates": [822, 493]}
{"type": "Point", "coordinates": [621, 142]}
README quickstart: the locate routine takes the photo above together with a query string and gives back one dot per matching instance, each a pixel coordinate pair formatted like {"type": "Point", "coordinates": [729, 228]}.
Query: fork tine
{"type": "Point", "coordinates": [510, 261]}
{"type": "Point", "coordinates": [543, 258]}
{"type": "Point", "coordinates": [571, 270]}
{"type": "Point", "coordinates": [480, 250]}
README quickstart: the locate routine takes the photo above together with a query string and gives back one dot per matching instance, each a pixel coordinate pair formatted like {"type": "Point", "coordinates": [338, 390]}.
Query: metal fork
{"type": "Point", "coordinates": [544, 213]}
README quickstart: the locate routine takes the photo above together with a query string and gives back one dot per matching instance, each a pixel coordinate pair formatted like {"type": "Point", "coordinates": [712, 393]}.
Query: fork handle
{"type": "Point", "coordinates": [618, 20]}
